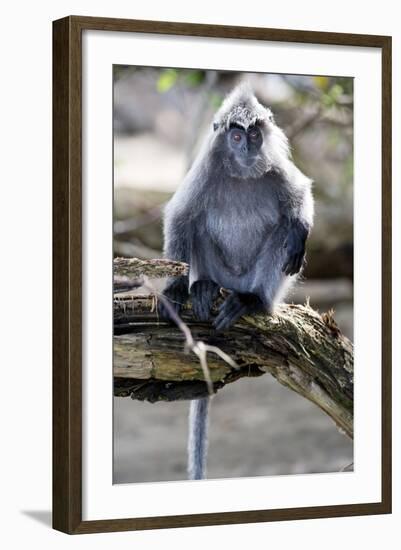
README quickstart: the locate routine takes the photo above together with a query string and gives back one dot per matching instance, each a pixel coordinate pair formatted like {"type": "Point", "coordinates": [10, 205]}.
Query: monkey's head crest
{"type": "Point", "coordinates": [241, 107]}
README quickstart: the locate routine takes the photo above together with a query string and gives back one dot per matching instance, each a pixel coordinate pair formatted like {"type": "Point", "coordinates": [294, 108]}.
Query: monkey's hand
{"type": "Point", "coordinates": [176, 293]}
{"type": "Point", "coordinates": [295, 246]}
{"type": "Point", "coordinates": [202, 295]}
{"type": "Point", "coordinates": [235, 306]}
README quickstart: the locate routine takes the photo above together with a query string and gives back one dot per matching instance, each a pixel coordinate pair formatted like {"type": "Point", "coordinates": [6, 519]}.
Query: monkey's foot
{"type": "Point", "coordinates": [202, 295]}
{"type": "Point", "coordinates": [176, 293]}
{"type": "Point", "coordinates": [235, 306]}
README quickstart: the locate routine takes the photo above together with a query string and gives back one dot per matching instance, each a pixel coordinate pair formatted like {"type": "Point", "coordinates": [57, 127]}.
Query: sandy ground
{"type": "Point", "coordinates": [258, 427]}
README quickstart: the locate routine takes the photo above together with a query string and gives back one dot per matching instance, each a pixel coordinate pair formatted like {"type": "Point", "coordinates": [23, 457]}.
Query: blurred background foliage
{"type": "Point", "coordinates": [160, 118]}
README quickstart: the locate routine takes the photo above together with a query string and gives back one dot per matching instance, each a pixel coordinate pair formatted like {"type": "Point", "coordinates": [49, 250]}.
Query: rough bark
{"type": "Point", "coordinates": [302, 349]}
{"type": "Point", "coordinates": [134, 267]}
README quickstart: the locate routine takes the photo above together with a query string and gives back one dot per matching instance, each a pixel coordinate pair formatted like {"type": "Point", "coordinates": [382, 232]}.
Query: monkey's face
{"type": "Point", "coordinates": [245, 154]}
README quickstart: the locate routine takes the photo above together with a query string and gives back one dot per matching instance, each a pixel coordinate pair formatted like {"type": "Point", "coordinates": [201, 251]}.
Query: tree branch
{"type": "Point", "coordinates": [303, 350]}
{"type": "Point", "coordinates": [133, 267]}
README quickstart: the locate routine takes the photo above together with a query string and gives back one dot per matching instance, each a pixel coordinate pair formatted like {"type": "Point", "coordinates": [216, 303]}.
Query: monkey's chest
{"type": "Point", "coordinates": [237, 235]}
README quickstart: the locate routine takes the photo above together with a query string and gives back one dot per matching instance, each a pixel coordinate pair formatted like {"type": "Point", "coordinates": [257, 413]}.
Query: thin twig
{"type": "Point", "coordinates": [199, 348]}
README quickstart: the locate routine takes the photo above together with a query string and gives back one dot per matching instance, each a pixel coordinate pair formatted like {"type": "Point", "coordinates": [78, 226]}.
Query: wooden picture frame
{"type": "Point", "coordinates": [67, 273]}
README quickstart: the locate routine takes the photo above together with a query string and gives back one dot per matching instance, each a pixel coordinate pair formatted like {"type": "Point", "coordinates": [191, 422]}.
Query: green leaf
{"type": "Point", "coordinates": [194, 78]}
{"type": "Point", "coordinates": [336, 91]}
{"type": "Point", "coordinates": [166, 80]}
{"type": "Point", "coordinates": [321, 82]}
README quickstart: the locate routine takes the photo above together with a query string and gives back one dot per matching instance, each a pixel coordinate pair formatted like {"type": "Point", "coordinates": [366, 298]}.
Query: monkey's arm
{"type": "Point", "coordinates": [176, 237]}
{"type": "Point", "coordinates": [176, 247]}
{"type": "Point", "coordinates": [299, 220]}
{"type": "Point", "coordinates": [295, 246]}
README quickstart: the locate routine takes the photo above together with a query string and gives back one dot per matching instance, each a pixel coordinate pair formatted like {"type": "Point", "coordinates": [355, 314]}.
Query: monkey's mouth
{"type": "Point", "coordinates": [247, 162]}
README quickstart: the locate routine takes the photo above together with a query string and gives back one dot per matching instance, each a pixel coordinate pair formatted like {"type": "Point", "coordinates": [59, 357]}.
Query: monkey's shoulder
{"type": "Point", "coordinates": [211, 194]}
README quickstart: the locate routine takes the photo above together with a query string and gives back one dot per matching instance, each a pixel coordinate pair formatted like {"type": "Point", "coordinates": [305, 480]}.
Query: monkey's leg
{"type": "Point", "coordinates": [235, 306]}
{"type": "Point", "coordinates": [177, 294]}
{"type": "Point", "coordinates": [202, 295]}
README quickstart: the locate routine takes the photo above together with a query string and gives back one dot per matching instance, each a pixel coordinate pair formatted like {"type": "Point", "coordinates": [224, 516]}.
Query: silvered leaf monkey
{"type": "Point", "coordinates": [240, 219]}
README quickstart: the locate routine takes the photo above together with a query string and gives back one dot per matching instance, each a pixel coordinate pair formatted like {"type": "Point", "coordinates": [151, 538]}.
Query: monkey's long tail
{"type": "Point", "coordinates": [198, 438]}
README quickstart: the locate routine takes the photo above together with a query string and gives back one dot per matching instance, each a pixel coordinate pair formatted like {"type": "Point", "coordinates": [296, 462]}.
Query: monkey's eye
{"type": "Point", "coordinates": [253, 135]}
{"type": "Point", "coordinates": [237, 137]}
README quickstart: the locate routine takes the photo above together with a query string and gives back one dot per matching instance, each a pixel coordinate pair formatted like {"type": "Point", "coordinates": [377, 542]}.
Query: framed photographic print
{"type": "Point", "coordinates": [222, 274]}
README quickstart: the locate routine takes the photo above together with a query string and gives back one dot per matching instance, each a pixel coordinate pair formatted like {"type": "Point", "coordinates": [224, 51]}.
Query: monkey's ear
{"type": "Point", "coordinates": [270, 116]}
{"type": "Point", "coordinates": [215, 126]}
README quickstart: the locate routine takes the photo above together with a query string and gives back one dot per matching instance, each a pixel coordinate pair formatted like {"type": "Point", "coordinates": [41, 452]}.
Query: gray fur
{"type": "Point", "coordinates": [240, 218]}
{"type": "Point", "coordinates": [197, 439]}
